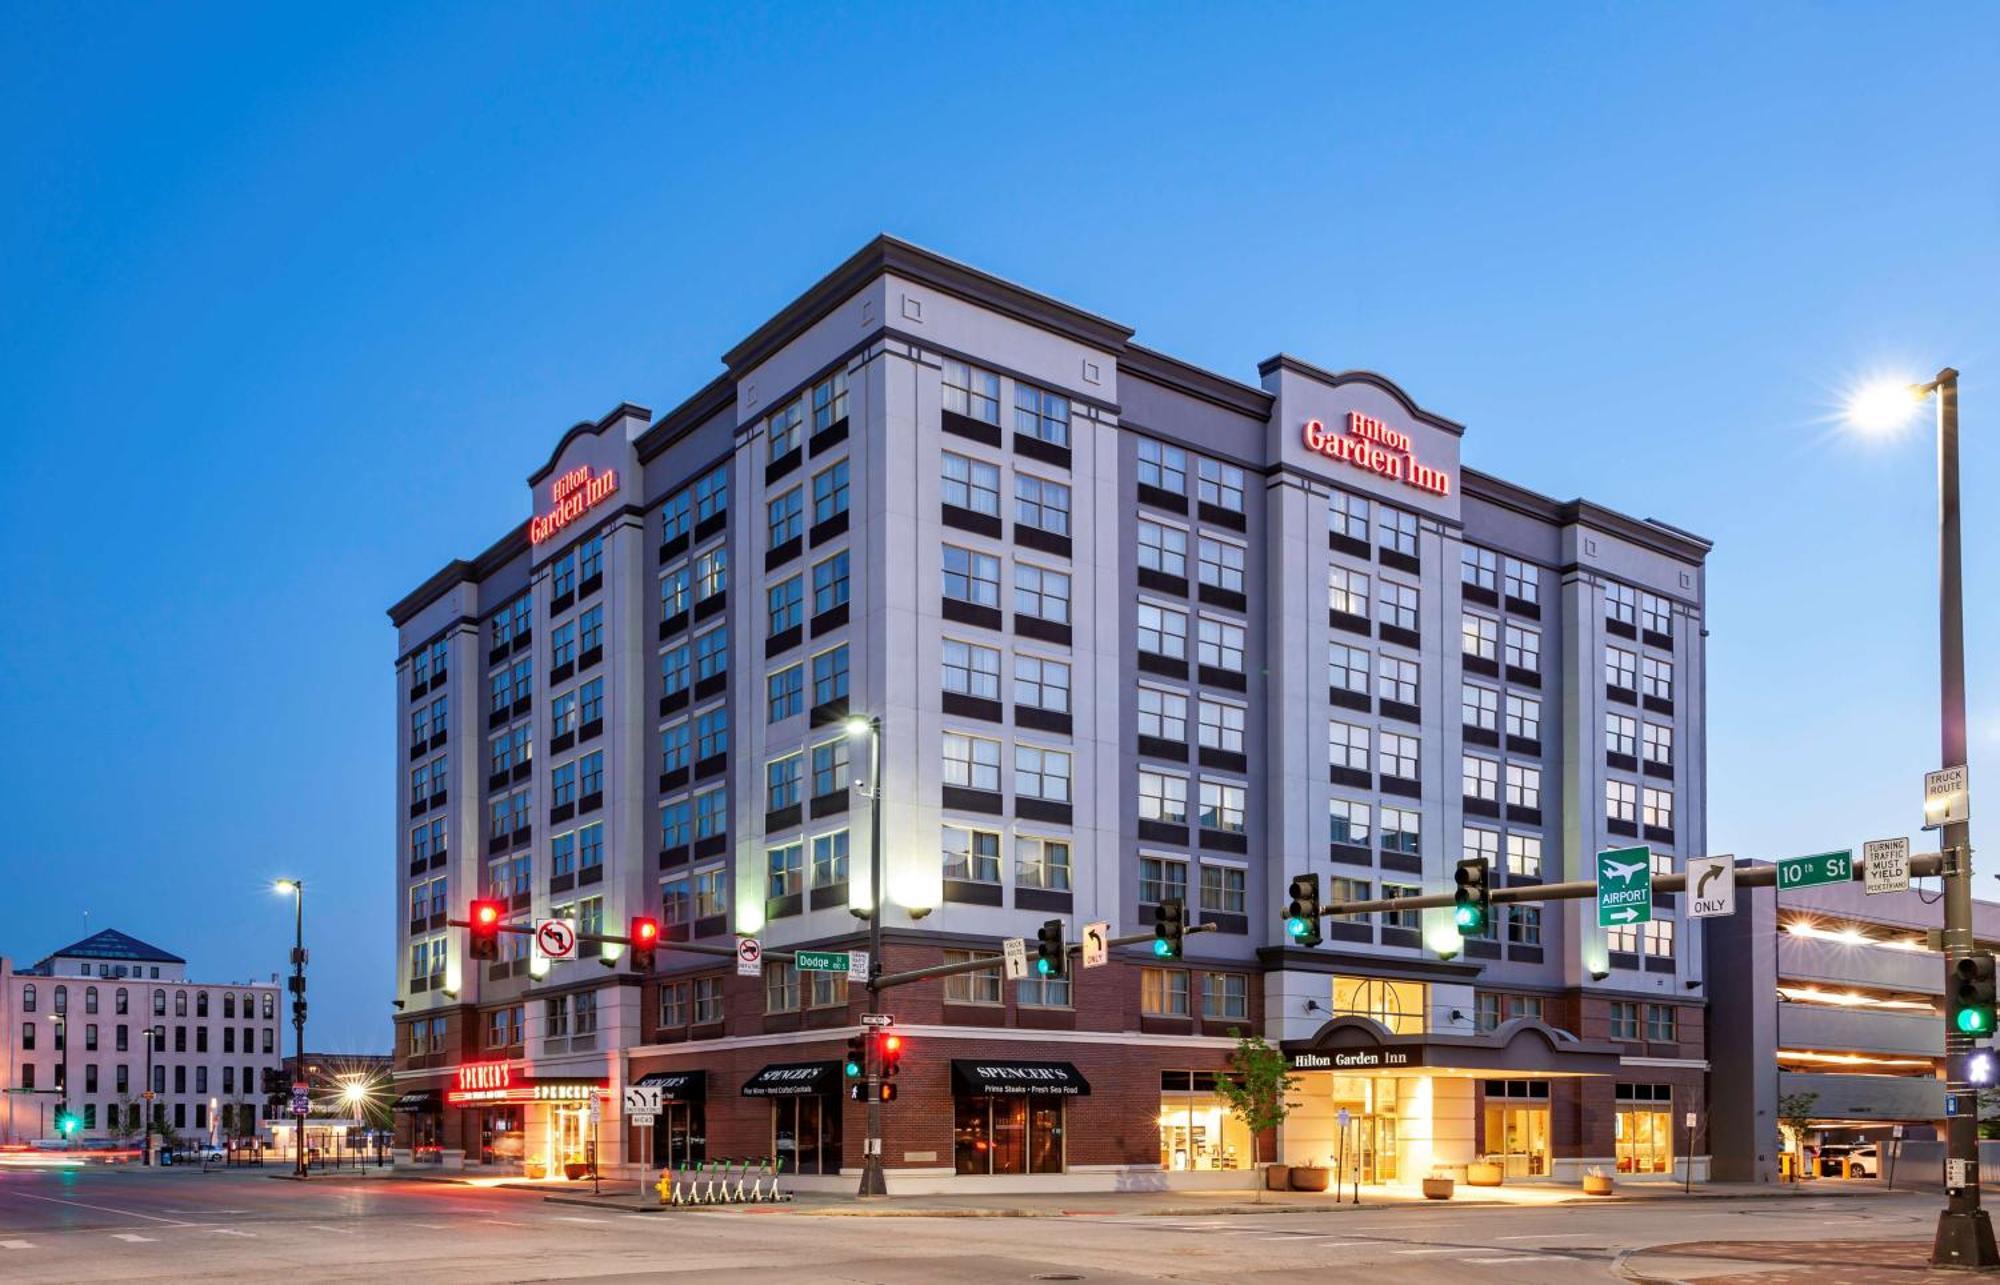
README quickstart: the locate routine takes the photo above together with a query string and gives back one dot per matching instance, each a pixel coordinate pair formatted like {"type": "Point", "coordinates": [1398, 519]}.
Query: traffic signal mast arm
{"type": "Point", "coordinates": [1747, 876]}
{"type": "Point", "coordinates": [993, 961]}
{"type": "Point", "coordinates": [659, 943]}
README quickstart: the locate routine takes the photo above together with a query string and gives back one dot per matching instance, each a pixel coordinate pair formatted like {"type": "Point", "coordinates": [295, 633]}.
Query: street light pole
{"type": "Point", "coordinates": [297, 888]}
{"type": "Point", "coordinates": [873, 1181]}
{"type": "Point", "coordinates": [1964, 1231]}
{"type": "Point", "coordinates": [146, 1102]}
{"type": "Point", "coordinates": [62, 1100]}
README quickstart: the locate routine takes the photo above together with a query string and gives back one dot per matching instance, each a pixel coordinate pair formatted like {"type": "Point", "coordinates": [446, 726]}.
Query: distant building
{"type": "Point", "coordinates": [100, 996]}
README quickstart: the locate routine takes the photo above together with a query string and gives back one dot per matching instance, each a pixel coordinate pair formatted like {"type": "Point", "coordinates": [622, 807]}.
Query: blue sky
{"type": "Point", "coordinates": [295, 299]}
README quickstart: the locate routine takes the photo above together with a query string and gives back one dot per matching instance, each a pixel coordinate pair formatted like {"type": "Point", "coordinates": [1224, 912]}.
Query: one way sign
{"type": "Point", "coordinates": [1711, 887]}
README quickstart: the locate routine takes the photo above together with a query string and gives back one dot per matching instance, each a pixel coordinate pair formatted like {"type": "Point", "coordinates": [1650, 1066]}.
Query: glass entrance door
{"type": "Point", "coordinates": [1369, 1149]}
{"type": "Point", "coordinates": [1519, 1135]}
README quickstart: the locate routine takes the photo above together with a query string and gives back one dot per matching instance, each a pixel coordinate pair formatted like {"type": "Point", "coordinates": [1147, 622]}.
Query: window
{"type": "Point", "coordinates": [1621, 801]}
{"type": "Point", "coordinates": [1622, 939]}
{"type": "Point", "coordinates": [1659, 744]}
{"type": "Point", "coordinates": [971, 670]}
{"type": "Point", "coordinates": [1041, 683]}
{"type": "Point", "coordinates": [1040, 992]}
{"type": "Point", "coordinates": [786, 517]}
{"type": "Point", "coordinates": [827, 990]}
{"type": "Point", "coordinates": [1624, 1020]}
{"type": "Point", "coordinates": [782, 780]}
{"type": "Point", "coordinates": [1162, 467]}
{"type": "Point", "coordinates": [1482, 778]}
{"type": "Point", "coordinates": [1162, 548]}
{"type": "Point", "coordinates": [1643, 1127]}
{"type": "Point", "coordinates": [1396, 755]}
{"type": "Point", "coordinates": [1038, 592]}
{"type": "Point", "coordinates": [1618, 603]}
{"type": "Point", "coordinates": [1163, 715]}
{"type": "Point", "coordinates": [1221, 564]}
{"type": "Point", "coordinates": [786, 867]}
{"type": "Point", "coordinates": [1041, 504]}
{"type": "Point", "coordinates": [786, 693]}
{"type": "Point", "coordinates": [1657, 677]}
{"type": "Point", "coordinates": [830, 492]}
{"type": "Point", "coordinates": [972, 392]}
{"type": "Point", "coordinates": [1398, 680]}
{"type": "Point", "coordinates": [971, 762]}
{"type": "Point", "coordinates": [1224, 888]}
{"type": "Point", "coordinates": [787, 601]}
{"type": "Point", "coordinates": [1161, 879]}
{"type": "Point", "coordinates": [1222, 807]}
{"type": "Point", "coordinates": [674, 1004]}
{"type": "Point", "coordinates": [1402, 831]}
{"type": "Point", "coordinates": [1347, 746]}
{"type": "Point", "coordinates": [1477, 567]}
{"type": "Point", "coordinates": [830, 583]}
{"type": "Point", "coordinates": [1399, 531]}
{"type": "Point", "coordinates": [562, 786]}
{"type": "Point", "coordinates": [829, 401]}
{"type": "Point", "coordinates": [830, 676]}
{"type": "Point", "coordinates": [1660, 939]}
{"type": "Point", "coordinates": [1660, 1023]}
{"type": "Point", "coordinates": [1398, 605]}
{"type": "Point", "coordinates": [711, 894]}
{"type": "Point", "coordinates": [1225, 995]}
{"type": "Point", "coordinates": [562, 582]}
{"type": "Point", "coordinates": [1347, 668]}
{"type": "Point", "coordinates": [1524, 717]}
{"type": "Point", "coordinates": [1524, 786]}
{"type": "Point", "coordinates": [1162, 631]}
{"type": "Point", "coordinates": [1524, 925]}
{"type": "Point", "coordinates": [781, 987]}
{"type": "Point", "coordinates": [711, 657]}
{"type": "Point", "coordinates": [1524, 855]}
{"type": "Point", "coordinates": [1041, 863]}
{"type": "Point", "coordinates": [1480, 706]}
{"type": "Point", "coordinates": [1410, 919]}
{"type": "Point", "coordinates": [1041, 773]}
{"type": "Point", "coordinates": [1524, 649]}
{"type": "Point", "coordinates": [829, 768]}
{"type": "Point", "coordinates": [676, 591]}
{"type": "Point", "coordinates": [971, 855]}
{"type": "Point", "coordinates": [979, 987]}
{"type": "Point", "coordinates": [1348, 823]}
{"type": "Point", "coordinates": [1479, 842]}
{"type": "Point", "coordinates": [711, 733]}
{"type": "Point", "coordinates": [1397, 1006]}
{"type": "Point", "coordinates": [1621, 668]}
{"type": "Point", "coordinates": [829, 859]}
{"type": "Point", "coordinates": [1162, 798]}
{"type": "Point", "coordinates": [562, 853]}
{"type": "Point", "coordinates": [1220, 645]}
{"type": "Point", "coordinates": [711, 814]}
{"type": "Point", "coordinates": [590, 626]}
{"type": "Point", "coordinates": [676, 672]}
{"type": "Point", "coordinates": [1524, 581]}
{"type": "Point", "coordinates": [1656, 614]}
{"type": "Point", "coordinates": [1347, 591]}
{"type": "Point", "coordinates": [676, 902]}
{"type": "Point", "coordinates": [1221, 726]}
{"type": "Point", "coordinates": [970, 484]}
{"type": "Point", "coordinates": [1657, 808]}
{"type": "Point", "coordinates": [1220, 484]}
{"type": "Point", "coordinates": [1163, 992]}
{"type": "Point", "coordinates": [675, 517]}
{"type": "Point", "coordinates": [1347, 515]}
{"type": "Point", "coordinates": [971, 577]}
{"type": "Point", "coordinates": [711, 573]}
{"type": "Point", "coordinates": [1042, 414]}
{"type": "Point", "coordinates": [784, 428]}
{"type": "Point", "coordinates": [707, 1000]}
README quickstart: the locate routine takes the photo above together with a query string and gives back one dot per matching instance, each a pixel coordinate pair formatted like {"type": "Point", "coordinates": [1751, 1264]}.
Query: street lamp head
{"type": "Point", "coordinates": [1884, 405]}
{"type": "Point", "coordinates": [285, 887]}
{"type": "Point", "coordinates": [858, 725]}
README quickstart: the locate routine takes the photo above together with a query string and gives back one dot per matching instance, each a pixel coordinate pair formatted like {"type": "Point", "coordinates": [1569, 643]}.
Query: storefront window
{"type": "Point", "coordinates": [1007, 1135]}
{"type": "Point", "coordinates": [501, 1139]}
{"type": "Point", "coordinates": [1197, 1130]}
{"type": "Point", "coordinates": [680, 1135]}
{"type": "Point", "coordinates": [1517, 1126]}
{"type": "Point", "coordinates": [805, 1133]}
{"type": "Point", "coordinates": [1398, 1006]}
{"type": "Point", "coordinates": [1643, 1129]}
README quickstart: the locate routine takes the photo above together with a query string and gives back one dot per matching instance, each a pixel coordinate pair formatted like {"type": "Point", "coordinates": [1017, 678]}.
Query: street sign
{"type": "Point", "coordinates": [1947, 797]}
{"type": "Point", "coordinates": [641, 1098]}
{"type": "Point", "coordinates": [857, 965]}
{"type": "Point", "coordinates": [1096, 944]}
{"type": "Point", "coordinates": [1896, 1132]}
{"type": "Point", "coordinates": [749, 957]}
{"type": "Point", "coordinates": [877, 1019]}
{"type": "Point", "coordinates": [1886, 864]}
{"type": "Point", "coordinates": [644, 1119]}
{"type": "Point", "coordinates": [1821, 867]}
{"type": "Point", "coordinates": [301, 1101]}
{"type": "Point", "coordinates": [596, 1110]}
{"type": "Point", "coordinates": [1711, 887]}
{"type": "Point", "coordinates": [1624, 886]}
{"type": "Point", "coordinates": [821, 961]}
{"type": "Point", "coordinates": [1343, 1117]}
{"type": "Point", "coordinates": [1957, 1174]}
{"type": "Point", "coordinates": [1690, 1119]}
{"type": "Point", "coordinates": [1015, 951]}
{"type": "Point", "coordinates": [555, 939]}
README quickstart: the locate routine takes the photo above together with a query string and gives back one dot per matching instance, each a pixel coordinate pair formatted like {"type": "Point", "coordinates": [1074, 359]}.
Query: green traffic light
{"type": "Point", "coordinates": [1296, 926]}
{"type": "Point", "coordinates": [1161, 948]}
{"type": "Point", "coordinates": [1043, 966]}
{"type": "Point", "coordinates": [853, 1067]}
{"type": "Point", "coordinates": [1466, 917]}
{"type": "Point", "coordinates": [1974, 1021]}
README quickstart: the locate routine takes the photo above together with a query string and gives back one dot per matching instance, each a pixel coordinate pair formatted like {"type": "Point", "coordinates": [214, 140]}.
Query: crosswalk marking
{"type": "Point", "coordinates": [1551, 1235]}
{"type": "Point", "coordinates": [572, 1218]}
{"type": "Point", "coordinates": [1435, 1249]}
{"type": "Point", "coordinates": [345, 1231]}
{"type": "Point", "coordinates": [132, 1238]}
{"type": "Point", "coordinates": [16, 1244]}
{"type": "Point", "coordinates": [1516, 1258]}
{"type": "Point", "coordinates": [231, 1231]}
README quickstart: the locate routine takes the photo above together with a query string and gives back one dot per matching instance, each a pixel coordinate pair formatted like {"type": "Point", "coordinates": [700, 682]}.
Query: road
{"type": "Point", "coordinates": [100, 1225]}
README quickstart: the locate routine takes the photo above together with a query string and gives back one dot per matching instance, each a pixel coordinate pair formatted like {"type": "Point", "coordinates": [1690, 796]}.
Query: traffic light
{"type": "Point", "coordinates": [857, 1056]}
{"type": "Point", "coordinates": [1977, 1067]}
{"type": "Point", "coordinates": [645, 936]}
{"type": "Point", "coordinates": [485, 919]}
{"type": "Point", "coordinates": [888, 1092]}
{"type": "Point", "coordinates": [1051, 952]}
{"type": "Point", "coordinates": [1972, 996]}
{"type": "Point", "coordinates": [1472, 901]}
{"type": "Point", "coordinates": [1169, 923]}
{"type": "Point", "coordinates": [1302, 916]}
{"type": "Point", "coordinates": [891, 1051]}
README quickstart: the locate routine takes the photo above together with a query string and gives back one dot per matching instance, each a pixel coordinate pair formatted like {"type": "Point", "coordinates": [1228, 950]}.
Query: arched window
{"type": "Point", "coordinates": [28, 998]}
{"type": "Point", "coordinates": [159, 1003]}
{"type": "Point", "coordinates": [90, 999]}
{"type": "Point", "coordinates": [201, 1003]}
{"type": "Point", "coordinates": [180, 1003]}
{"type": "Point", "coordinates": [62, 999]}
{"type": "Point", "coordinates": [123, 1002]}
{"type": "Point", "coordinates": [229, 1004]}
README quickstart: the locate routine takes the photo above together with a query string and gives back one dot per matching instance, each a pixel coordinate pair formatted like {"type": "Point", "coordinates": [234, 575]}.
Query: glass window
{"type": "Point", "coordinates": [829, 401]}
{"type": "Point", "coordinates": [1162, 798]}
{"type": "Point", "coordinates": [1197, 1129]}
{"type": "Point", "coordinates": [830, 492]}
{"type": "Point", "coordinates": [676, 517]}
{"type": "Point", "coordinates": [787, 604]}
{"type": "Point", "coordinates": [1524, 855]}
{"type": "Point", "coordinates": [1621, 668]}
{"type": "Point", "coordinates": [830, 583]}
{"type": "Point", "coordinates": [1479, 706]}
{"type": "Point", "coordinates": [1399, 530]}
{"type": "Point", "coordinates": [1042, 414]}
{"type": "Point", "coordinates": [784, 428]}
{"type": "Point", "coordinates": [971, 762]}
{"type": "Point", "coordinates": [1163, 992]}
{"type": "Point", "coordinates": [676, 591]}
{"type": "Point", "coordinates": [1397, 1006]}
{"type": "Point", "coordinates": [1657, 678]}
{"type": "Point", "coordinates": [1220, 484]}
{"type": "Point", "coordinates": [830, 676]}
{"type": "Point", "coordinates": [1524, 786]}
{"type": "Point", "coordinates": [1620, 603]}
{"type": "Point", "coordinates": [1659, 744]}
{"type": "Point", "coordinates": [1347, 515]}
{"type": "Point", "coordinates": [786, 693]}
{"type": "Point", "coordinates": [1478, 567]}
{"type": "Point", "coordinates": [1347, 746]}
{"type": "Point", "coordinates": [970, 484]}
{"type": "Point", "coordinates": [981, 986]}
{"type": "Point", "coordinates": [1524, 925]}
{"type": "Point", "coordinates": [1041, 863]}
{"type": "Point", "coordinates": [1524, 717]}
{"type": "Point", "coordinates": [1162, 548]}
{"type": "Point", "coordinates": [1397, 605]}
{"type": "Point", "coordinates": [1482, 778]}
{"type": "Point", "coordinates": [1162, 466]}
{"type": "Point", "coordinates": [1162, 631]}
{"type": "Point", "coordinates": [971, 670]}
{"type": "Point", "coordinates": [785, 865]}
{"type": "Point", "coordinates": [1347, 668]}
{"type": "Point", "coordinates": [971, 577]}
{"type": "Point", "coordinates": [1657, 808]}
{"type": "Point", "coordinates": [711, 732]}
{"type": "Point", "coordinates": [1347, 591]}
{"type": "Point", "coordinates": [971, 392]}
{"type": "Point", "coordinates": [1041, 504]}
{"type": "Point", "coordinates": [1221, 726]}
{"type": "Point", "coordinates": [787, 517]}
{"type": "Point", "coordinates": [1396, 755]}
{"type": "Point", "coordinates": [972, 855]}
{"type": "Point", "coordinates": [1041, 773]}
{"type": "Point", "coordinates": [829, 768]}
{"type": "Point", "coordinates": [1524, 581]}
{"type": "Point", "coordinates": [1348, 822]}
{"type": "Point", "coordinates": [1479, 636]}
{"type": "Point", "coordinates": [1402, 831]}
{"type": "Point", "coordinates": [782, 781]}
{"type": "Point", "coordinates": [1040, 592]}
{"type": "Point", "coordinates": [1524, 649]}
{"type": "Point", "coordinates": [1222, 807]}
{"type": "Point", "coordinates": [1220, 645]}
{"type": "Point", "coordinates": [1221, 564]}
{"type": "Point", "coordinates": [1656, 614]}
{"type": "Point", "coordinates": [1398, 679]}
{"type": "Point", "coordinates": [1041, 683]}
{"type": "Point", "coordinates": [1224, 888]}
{"type": "Point", "coordinates": [781, 987]}
{"type": "Point", "coordinates": [1621, 801]}
{"type": "Point", "coordinates": [829, 859]}
{"type": "Point", "coordinates": [1162, 879]}
{"type": "Point", "coordinates": [1162, 714]}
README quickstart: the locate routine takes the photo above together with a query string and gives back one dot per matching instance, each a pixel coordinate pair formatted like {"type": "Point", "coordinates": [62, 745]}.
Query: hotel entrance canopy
{"type": "Point", "coordinates": [1518, 1049]}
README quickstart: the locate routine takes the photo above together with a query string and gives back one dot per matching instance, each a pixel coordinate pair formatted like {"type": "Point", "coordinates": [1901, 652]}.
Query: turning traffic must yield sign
{"type": "Point", "coordinates": [1624, 887]}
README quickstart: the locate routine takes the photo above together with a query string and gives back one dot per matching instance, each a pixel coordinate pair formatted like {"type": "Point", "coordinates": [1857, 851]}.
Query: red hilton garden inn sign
{"type": "Point", "coordinates": [575, 493]}
{"type": "Point", "coordinates": [1371, 444]}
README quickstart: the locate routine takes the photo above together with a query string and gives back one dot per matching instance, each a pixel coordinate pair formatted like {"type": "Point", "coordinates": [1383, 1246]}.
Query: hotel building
{"type": "Point", "coordinates": [1135, 631]}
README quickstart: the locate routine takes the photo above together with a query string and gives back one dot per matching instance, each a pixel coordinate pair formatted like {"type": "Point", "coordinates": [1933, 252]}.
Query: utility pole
{"type": "Point", "coordinates": [873, 1181]}
{"type": "Point", "coordinates": [146, 1101]}
{"type": "Point", "coordinates": [297, 888]}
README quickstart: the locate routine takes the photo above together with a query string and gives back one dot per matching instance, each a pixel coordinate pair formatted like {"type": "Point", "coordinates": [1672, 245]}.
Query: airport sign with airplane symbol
{"type": "Point", "coordinates": [1624, 887]}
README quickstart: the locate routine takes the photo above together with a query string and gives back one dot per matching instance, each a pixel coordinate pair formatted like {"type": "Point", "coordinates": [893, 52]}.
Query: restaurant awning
{"type": "Point", "coordinates": [793, 1080]}
{"type": "Point", "coordinates": [419, 1100]}
{"type": "Point", "coordinates": [975, 1077]}
{"type": "Point", "coordinates": [676, 1086]}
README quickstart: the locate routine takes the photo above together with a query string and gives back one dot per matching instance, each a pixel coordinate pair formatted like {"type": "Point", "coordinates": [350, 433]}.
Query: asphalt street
{"type": "Point", "coordinates": [110, 1225]}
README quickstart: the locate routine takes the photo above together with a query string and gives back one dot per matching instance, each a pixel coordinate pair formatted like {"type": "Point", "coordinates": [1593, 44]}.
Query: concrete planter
{"type": "Point", "coordinates": [1278, 1178]}
{"type": "Point", "coordinates": [1480, 1173]}
{"type": "Point", "coordinates": [1597, 1184]}
{"type": "Point", "coordinates": [1438, 1188]}
{"type": "Point", "coordinates": [1311, 1177]}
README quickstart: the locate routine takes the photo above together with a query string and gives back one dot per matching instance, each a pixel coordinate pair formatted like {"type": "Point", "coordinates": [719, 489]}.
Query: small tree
{"type": "Point", "coordinates": [1795, 1113]}
{"type": "Point", "coordinates": [125, 1118]}
{"type": "Point", "coordinates": [1255, 1086]}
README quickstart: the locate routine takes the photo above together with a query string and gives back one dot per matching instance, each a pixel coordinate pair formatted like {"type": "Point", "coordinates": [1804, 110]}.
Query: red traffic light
{"type": "Point", "coordinates": [645, 930]}
{"type": "Point", "coordinates": [485, 932]}
{"type": "Point", "coordinates": [892, 1043]}
{"type": "Point", "coordinates": [486, 912]}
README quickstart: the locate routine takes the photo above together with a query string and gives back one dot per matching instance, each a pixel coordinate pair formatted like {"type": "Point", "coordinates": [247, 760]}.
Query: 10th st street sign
{"type": "Point", "coordinates": [1624, 887]}
{"type": "Point", "coordinates": [1821, 867]}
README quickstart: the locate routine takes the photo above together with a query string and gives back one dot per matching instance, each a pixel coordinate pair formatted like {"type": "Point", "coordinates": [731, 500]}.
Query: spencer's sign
{"type": "Point", "coordinates": [575, 493]}
{"type": "Point", "coordinates": [1371, 444]}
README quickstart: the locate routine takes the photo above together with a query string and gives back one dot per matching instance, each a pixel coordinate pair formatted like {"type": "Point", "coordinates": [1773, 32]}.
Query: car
{"type": "Point", "coordinates": [207, 1151]}
{"type": "Point", "coordinates": [1865, 1161]}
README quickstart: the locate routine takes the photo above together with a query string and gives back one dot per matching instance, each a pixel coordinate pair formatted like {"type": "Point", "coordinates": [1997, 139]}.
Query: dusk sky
{"type": "Point", "coordinates": [296, 299]}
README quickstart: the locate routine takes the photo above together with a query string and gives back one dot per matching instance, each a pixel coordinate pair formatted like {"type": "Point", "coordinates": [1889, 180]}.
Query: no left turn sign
{"type": "Point", "coordinates": [555, 939]}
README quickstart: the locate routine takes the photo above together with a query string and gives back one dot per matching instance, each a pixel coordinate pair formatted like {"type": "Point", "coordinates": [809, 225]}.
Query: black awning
{"type": "Point", "coordinates": [421, 1100]}
{"type": "Point", "coordinates": [676, 1086]}
{"type": "Point", "coordinates": [1012, 1079]}
{"type": "Point", "coordinates": [793, 1080]}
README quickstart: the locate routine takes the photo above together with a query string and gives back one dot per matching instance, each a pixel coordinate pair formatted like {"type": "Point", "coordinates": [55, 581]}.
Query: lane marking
{"type": "Point", "coordinates": [16, 1244]}
{"type": "Point", "coordinates": [502, 1222]}
{"type": "Point", "coordinates": [432, 1226]}
{"type": "Point", "coordinates": [1435, 1249]}
{"type": "Point", "coordinates": [231, 1231]}
{"type": "Point", "coordinates": [133, 1238]}
{"type": "Point", "coordinates": [1517, 1258]}
{"type": "Point", "coordinates": [571, 1218]}
{"type": "Point", "coordinates": [344, 1231]}
{"type": "Point", "coordinates": [103, 1209]}
{"type": "Point", "coordinates": [1551, 1235]}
